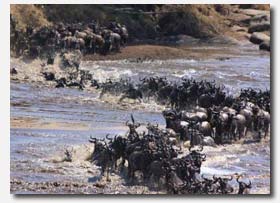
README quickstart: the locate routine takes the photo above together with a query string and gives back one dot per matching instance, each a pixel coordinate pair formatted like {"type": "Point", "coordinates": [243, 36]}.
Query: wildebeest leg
{"type": "Point", "coordinates": [102, 171]}
{"type": "Point", "coordinates": [239, 131]}
{"type": "Point", "coordinates": [245, 131]}
{"type": "Point", "coordinates": [115, 164]}
{"type": "Point", "coordinates": [107, 176]}
{"type": "Point", "coordinates": [102, 93]}
{"type": "Point", "coordinates": [130, 173]}
{"type": "Point", "coordinates": [93, 48]}
{"type": "Point", "coordinates": [266, 129]}
{"type": "Point", "coordinates": [122, 163]}
{"type": "Point", "coordinates": [212, 134]}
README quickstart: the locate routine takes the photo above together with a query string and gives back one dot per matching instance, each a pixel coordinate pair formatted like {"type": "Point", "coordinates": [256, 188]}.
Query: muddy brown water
{"type": "Point", "coordinates": [45, 121]}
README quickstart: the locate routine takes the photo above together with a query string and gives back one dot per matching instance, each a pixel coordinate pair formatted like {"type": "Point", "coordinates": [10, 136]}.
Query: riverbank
{"type": "Point", "coordinates": [140, 53]}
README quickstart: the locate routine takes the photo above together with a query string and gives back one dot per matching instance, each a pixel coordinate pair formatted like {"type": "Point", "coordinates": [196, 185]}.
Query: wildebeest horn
{"type": "Point", "coordinates": [237, 179]}
{"type": "Point", "coordinates": [108, 138]}
{"type": "Point", "coordinates": [250, 184]}
{"type": "Point", "coordinates": [231, 177]}
{"type": "Point", "coordinates": [142, 79]}
{"type": "Point", "coordinates": [132, 118]}
{"type": "Point", "coordinates": [92, 139]}
{"type": "Point", "coordinates": [214, 177]}
{"type": "Point", "coordinates": [103, 139]}
{"type": "Point", "coordinates": [231, 190]}
{"type": "Point", "coordinates": [203, 156]}
{"type": "Point", "coordinates": [202, 176]}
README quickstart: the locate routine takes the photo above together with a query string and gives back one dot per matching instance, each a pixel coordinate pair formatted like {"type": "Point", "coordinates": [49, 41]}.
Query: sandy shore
{"type": "Point", "coordinates": [35, 123]}
{"type": "Point", "coordinates": [162, 52]}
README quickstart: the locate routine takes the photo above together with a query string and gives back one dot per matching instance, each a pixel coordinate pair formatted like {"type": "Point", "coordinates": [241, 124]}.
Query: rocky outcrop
{"type": "Point", "coordinates": [265, 46]}
{"type": "Point", "coordinates": [260, 27]}
{"type": "Point", "coordinates": [254, 12]}
{"type": "Point", "coordinates": [260, 18]}
{"type": "Point", "coordinates": [253, 23]}
{"type": "Point", "coordinates": [258, 38]}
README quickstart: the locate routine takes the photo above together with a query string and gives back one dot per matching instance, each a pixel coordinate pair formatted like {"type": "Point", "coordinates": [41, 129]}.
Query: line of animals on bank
{"type": "Point", "coordinates": [89, 38]}
{"type": "Point", "coordinates": [155, 156]}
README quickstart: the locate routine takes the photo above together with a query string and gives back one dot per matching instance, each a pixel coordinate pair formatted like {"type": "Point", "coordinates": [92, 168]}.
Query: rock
{"type": "Point", "coordinates": [237, 28]}
{"type": "Point", "coordinates": [265, 46]}
{"type": "Point", "coordinates": [258, 38]}
{"type": "Point", "coordinates": [208, 141]}
{"type": "Point", "coordinates": [254, 6]}
{"type": "Point", "coordinates": [260, 18]}
{"type": "Point", "coordinates": [265, 26]}
{"type": "Point", "coordinates": [254, 12]}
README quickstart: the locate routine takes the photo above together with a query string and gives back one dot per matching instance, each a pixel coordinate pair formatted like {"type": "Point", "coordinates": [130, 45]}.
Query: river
{"type": "Point", "coordinates": [45, 121]}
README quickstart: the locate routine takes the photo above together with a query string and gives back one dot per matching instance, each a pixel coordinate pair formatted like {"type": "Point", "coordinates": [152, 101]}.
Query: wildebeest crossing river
{"type": "Point", "coordinates": [45, 121]}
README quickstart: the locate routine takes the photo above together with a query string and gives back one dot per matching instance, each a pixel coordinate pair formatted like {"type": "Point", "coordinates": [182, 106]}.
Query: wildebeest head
{"type": "Point", "coordinates": [171, 117]}
{"type": "Point", "coordinates": [152, 128]}
{"type": "Point", "coordinates": [98, 144]}
{"type": "Point", "coordinates": [224, 186]}
{"type": "Point", "coordinates": [243, 187]}
{"type": "Point", "coordinates": [132, 125]}
{"type": "Point", "coordinates": [196, 156]}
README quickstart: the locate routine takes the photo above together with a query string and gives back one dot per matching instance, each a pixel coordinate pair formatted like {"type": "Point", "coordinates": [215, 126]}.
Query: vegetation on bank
{"type": "Point", "coordinates": [154, 23]}
{"type": "Point", "coordinates": [27, 15]}
{"type": "Point", "coordinates": [142, 21]}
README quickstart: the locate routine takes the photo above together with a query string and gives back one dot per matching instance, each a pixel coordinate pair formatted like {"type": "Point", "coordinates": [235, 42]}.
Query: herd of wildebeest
{"type": "Point", "coordinates": [89, 38]}
{"type": "Point", "coordinates": [199, 112]}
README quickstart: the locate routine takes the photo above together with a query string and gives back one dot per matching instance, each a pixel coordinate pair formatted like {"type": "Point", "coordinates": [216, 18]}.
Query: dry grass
{"type": "Point", "coordinates": [198, 20]}
{"type": "Point", "coordinates": [28, 15]}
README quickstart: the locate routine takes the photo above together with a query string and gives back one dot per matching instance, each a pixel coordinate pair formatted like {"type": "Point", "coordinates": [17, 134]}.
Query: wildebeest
{"type": "Point", "coordinates": [243, 187]}
{"type": "Point", "coordinates": [102, 156]}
